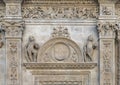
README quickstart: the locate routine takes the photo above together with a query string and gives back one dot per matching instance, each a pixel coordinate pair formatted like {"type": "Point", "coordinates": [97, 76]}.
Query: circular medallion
{"type": "Point", "coordinates": [60, 51]}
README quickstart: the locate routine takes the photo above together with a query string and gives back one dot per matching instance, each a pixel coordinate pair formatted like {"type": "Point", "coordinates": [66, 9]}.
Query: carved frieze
{"type": "Point", "coordinates": [56, 12]}
{"type": "Point", "coordinates": [12, 28]}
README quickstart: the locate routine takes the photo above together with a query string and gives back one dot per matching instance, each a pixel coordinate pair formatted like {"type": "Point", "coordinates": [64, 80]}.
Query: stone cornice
{"type": "Point", "coordinates": [60, 1]}
{"type": "Point", "coordinates": [60, 65]}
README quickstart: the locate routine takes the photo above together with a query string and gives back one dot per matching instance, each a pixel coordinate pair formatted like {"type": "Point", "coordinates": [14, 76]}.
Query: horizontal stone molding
{"type": "Point", "coordinates": [60, 65]}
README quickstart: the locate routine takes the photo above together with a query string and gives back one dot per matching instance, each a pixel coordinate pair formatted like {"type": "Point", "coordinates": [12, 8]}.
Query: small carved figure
{"type": "Point", "coordinates": [89, 49]}
{"type": "Point", "coordinates": [31, 50]}
{"type": "Point", "coordinates": [106, 11]}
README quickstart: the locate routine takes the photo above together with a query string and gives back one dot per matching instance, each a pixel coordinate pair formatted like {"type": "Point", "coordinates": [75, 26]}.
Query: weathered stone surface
{"type": "Point", "coordinates": [59, 42]}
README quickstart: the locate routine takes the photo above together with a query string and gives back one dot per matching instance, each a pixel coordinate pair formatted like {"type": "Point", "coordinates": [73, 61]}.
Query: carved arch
{"type": "Point", "coordinates": [60, 50]}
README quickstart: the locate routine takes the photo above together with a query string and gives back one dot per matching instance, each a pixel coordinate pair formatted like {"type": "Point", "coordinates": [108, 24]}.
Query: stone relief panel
{"type": "Point", "coordinates": [59, 37]}
{"type": "Point", "coordinates": [107, 62]}
{"type": "Point", "coordinates": [107, 10]}
{"type": "Point", "coordinates": [13, 62]}
{"type": "Point", "coordinates": [80, 79]}
{"type": "Point", "coordinates": [13, 10]}
{"type": "Point", "coordinates": [60, 12]}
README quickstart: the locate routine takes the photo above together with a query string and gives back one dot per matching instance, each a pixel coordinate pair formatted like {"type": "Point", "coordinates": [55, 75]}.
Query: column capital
{"type": "Point", "coordinates": [107, 29]}
{"type": "Point", "coordinates": [13, 28]}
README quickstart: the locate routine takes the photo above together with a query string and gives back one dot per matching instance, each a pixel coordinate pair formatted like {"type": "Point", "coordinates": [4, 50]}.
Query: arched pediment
{"type": "Point", "coordinates": [60, 50]}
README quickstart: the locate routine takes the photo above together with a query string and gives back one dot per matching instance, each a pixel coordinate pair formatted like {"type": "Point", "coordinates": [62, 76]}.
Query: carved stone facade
{"type": "Point", "coordinates": [59, 42]}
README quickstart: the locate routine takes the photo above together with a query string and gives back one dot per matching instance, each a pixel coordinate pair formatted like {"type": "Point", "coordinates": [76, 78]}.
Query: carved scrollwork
{"type": "Point", "coordinates": [31, 50]}
{"type": "Point", "coordinates": [59, 13]}
{"type": "Point", "coordinates": [89, 49]}
{"type": "Point", "coordinates": [60, 32]}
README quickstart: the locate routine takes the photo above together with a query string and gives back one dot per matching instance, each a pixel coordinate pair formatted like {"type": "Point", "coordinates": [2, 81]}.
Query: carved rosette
{"type": "Point", "coordinates": [13, 10]}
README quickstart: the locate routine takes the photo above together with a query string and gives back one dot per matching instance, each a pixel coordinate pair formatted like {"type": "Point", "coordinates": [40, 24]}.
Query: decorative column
{"type": "Point", "coordinates": [13, 27]}
{"type": "Point", "coordinates": [107, 33]}
{"type": "Point", "coordinates": [118, 59]}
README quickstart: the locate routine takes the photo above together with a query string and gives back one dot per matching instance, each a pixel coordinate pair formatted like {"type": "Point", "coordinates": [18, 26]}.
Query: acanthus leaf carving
{"type": "Point", "coordinates": [107, 28]}
{"type": "Point", "coordinates": [13, 28]}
